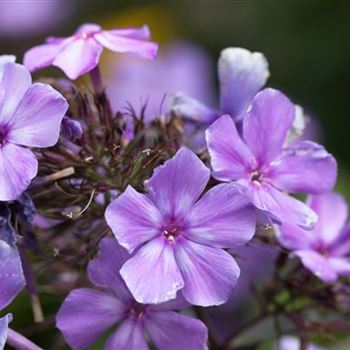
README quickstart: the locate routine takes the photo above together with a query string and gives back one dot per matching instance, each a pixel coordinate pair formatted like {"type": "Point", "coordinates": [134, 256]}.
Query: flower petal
{"type": "Point", "coordinates": [42, 56]}
{"type": "Point", "coordinates": [304, 167]}
{"type": "Point", "coordinates": [104, 269]}
{"type": "Point", "coordinates": [7, 59]}
{"type": "Point", "coordinates": [266, 124]}
{"type": "Point", "coordinates": [86, 314]}
{"type": "Point", "coordinates": [283, 206]}
{"type": "Point", "coordinates": [129, 336]}
{"type": "Point", "coordinates": [223, 218]}
{"type": "Point", "coordinates": [133, 218]}
{"type": "Point", "coordinates": [230, 157]}
{"type": "Point", "coordinates": [18, 167]}
{"type": "Point", "coordinates": [78, 57]}
{"type": "Point", "coordinates": [4, 321]}
{"type": "Point", "coordinates": [192, 110]}
{"type": "Point", "coordinates": [242, 74]}
{"type": "Point", "coordinates": [209, 273]}
{"type": "Point", "coordinates": [173, 331]}
{"type": "Point", "coordinates": [317, 264]}
{"type": "Point", "coordinates": [176, 185]}
{"type": "Point", "coordinates": [15, 81]}
{"type": "Point", "coordinates": [11, 274]}
{"type": "Point", "coordinates": [142, 33]}
{"type": "Point", "coordinates": [152, 274]}
{"type": "Point", "coordinates": [116, 43]}
{"type": "Point", "coordinates": [340, 265]}
{"type": "Point", "coordinates": [37, 120]}
{"type": "Point", "coordinates": [332, 211]}
{"type": "Point", "coordinates": [87, 28]}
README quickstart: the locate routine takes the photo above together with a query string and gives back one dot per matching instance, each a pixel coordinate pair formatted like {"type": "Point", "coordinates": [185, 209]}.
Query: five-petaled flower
{"type": "Point", "coordinates": [87, 313]}
{"type": "Point", "coordinates": [325, 250]}
{"type": "Point", "coordinates": [180, 239]}
{"type": "Point", "coordinates": [80, 53]}
{"type": "Point", "coordinates": [262, 162]}
{"type": "Point", "coordinates": [30, 116]}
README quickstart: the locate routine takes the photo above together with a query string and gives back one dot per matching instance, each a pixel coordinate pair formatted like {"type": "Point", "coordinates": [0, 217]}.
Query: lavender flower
{"type": "Point", "coordinates": [71, 129]}
{"type": "Point", "coordinates": [241, 75]}
{"type": "Point", "coordinates": [80, 53]}
{"type": "Point", "coordinates": [87, 313]}
{"type": "Point", "coordinates": [178, 240]}
{"type": "Point", "coordinates": [293, 343]}
{"type": "Point", "coordinates": [30, 116]}
{"type": "Point", "coordinates": [325, 251]}
{"type": "Point", "coordinates": [261, 161]}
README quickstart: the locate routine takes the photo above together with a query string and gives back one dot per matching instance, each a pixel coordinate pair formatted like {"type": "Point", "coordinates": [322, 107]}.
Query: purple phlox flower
{"type": "Point", "coordinates": [80, 53]}
{"type": "Point", "coordinates": [30, 116]}
{"type": "Point", "coordinates": [267, 167]}
{"type": "Point", "coordinates": [178, 238]}
{"type": "Point", "coordinates": [241, 75]}
{"type": "Point", "coordinates": [293, 343]}
{"type": "Point", "coordinates": [325, 250]}
{"type": "Point", "coordinates": [4, 321]}
{"type": "Point", "coordinates": [87, 313]}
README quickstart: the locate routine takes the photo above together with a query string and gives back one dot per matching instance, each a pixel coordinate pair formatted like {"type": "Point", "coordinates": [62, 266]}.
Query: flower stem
{"type": "Point", "coordinates": [19, 342]}
{"type": "Point", "coordinates": [31, 285]}
{"type": "Point", "coordinates": [96, 80]}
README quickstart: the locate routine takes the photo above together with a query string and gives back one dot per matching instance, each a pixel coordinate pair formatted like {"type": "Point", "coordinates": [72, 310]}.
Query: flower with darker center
{"type": "Point", "coordinates": [137, 310]}
{"type": "Point", "coordinates": [171, 230]}
{"type": "Point", "coordinates": [257, 177]}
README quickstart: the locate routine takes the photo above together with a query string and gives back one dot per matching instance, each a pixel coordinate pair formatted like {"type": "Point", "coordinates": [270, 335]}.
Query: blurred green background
{"type": "Point", "coordinates": [307, 44]}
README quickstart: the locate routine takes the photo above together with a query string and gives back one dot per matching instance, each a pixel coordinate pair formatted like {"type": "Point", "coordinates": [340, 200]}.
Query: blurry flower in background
{"type": "Point", "coordinates": [325, 250]}
{"type": "Point", "coordinates": [180, 66]}
{"type": "Point", "coordinates": [293, 343]}
{"type": "Point", "coordinates": [31, 18]}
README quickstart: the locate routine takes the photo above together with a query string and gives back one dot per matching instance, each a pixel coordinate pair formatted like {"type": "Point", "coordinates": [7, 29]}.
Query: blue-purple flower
{"type": "Point", "coordinates": [241, 75]}
{"type": "Point", "coordinates": [87, 313]}
{"type": "Point", "coordinates": [265, 165]}
{"type": "Point", "coordinates": [325, 251]}
{"type": "Point", "coordinates": [30, 116]}
{"type": "Point", "coordinates": [178, 237]}
{"type": "Point", "coordinates": [80, 53]}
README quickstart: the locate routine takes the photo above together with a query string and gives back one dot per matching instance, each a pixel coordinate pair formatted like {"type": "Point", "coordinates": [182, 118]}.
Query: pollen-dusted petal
{"type": "Point", "coordinates": [123, 44]}
{"type": "Point", "coordinates": [78, 57]}
{"type": "Point", "coordinates": [11, 274]}
{"type": "Point", "coordinates": [37, 120]}
{"type": "Point", "coordinates": [152, 274]}
{"type": "Point", "coordinates": [18, 166]}
{"type": "Point", "coordinates": [103, 270]}
{"type": "Point", "coordinates": [230, 157]}
{"type": "Point", "coordinates": [129, 336]}
{"type": "Point", "coordinates": [223, 218]}
{"type": "Point", "coordinates": [176, 185]}
{"type": "Point", "coordinates": [14, 82]}
{"type": "Point", "coordinates": [317, 264]}
{"type": "Point", "coordinates": [266, 124]}
{"type": "Point", "coordinates": [304, 167]}
{"type": "Point", "coordinates": [86, 314]}
{"type": "Point", "coordinates": [209, 273]}
{"type": "Point", "coordinates": [241, 74]}
{"type": "Point", "coordinates": [172, 331]}
{"type": "Point", "coordinates": [133, 218]}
